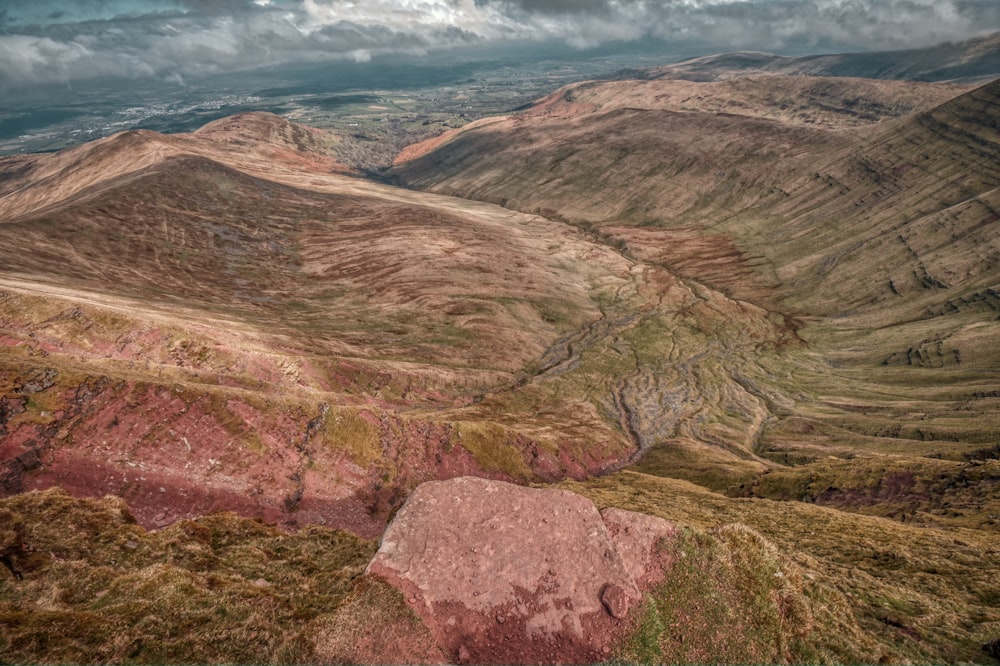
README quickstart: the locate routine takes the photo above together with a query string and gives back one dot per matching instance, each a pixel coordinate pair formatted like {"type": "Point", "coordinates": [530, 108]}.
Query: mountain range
{"type": "Point", "coordinates": [741, 289]}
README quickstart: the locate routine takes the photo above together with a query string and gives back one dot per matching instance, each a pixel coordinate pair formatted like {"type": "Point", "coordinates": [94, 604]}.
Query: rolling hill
{"type": "Point", "coordinates": [260, 321]}
{"type": "Point", "coordinates": [849, 263]}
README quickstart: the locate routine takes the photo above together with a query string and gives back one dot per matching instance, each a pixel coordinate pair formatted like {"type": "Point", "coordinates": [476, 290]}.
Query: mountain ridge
{"type": "Point", "coordinates": [967, 61]}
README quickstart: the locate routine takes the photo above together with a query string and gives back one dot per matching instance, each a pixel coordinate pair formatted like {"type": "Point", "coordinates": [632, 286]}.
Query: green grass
{"type": "Point", "coordinates": [728, 597]}
{"type": "Point", "coordinates": [493, 448]}
{"type": "Point", "coordinates": [699, 463]}
{"type": "Point", "coordinates": [347, 430]}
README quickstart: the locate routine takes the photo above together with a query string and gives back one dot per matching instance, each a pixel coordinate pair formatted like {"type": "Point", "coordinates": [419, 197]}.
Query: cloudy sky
{"type": "Point", "coordinates": [60, 41]}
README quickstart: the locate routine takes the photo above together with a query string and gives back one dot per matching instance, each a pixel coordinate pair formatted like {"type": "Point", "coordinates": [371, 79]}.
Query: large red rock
{"type": "Point", "coordinates": [506, 574]}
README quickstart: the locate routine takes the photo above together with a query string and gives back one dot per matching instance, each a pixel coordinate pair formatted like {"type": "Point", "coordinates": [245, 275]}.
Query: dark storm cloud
{"type": "Point", "coordinates": [551, 6]}
{"type": "Point", "coordinates": [884, 24]}
{"type": "Point", "coordinates": [770, 24]}
{"type": "Point", "coordinates": [217, 7]}
{"type": "Point", "coordinates": [49, 41]}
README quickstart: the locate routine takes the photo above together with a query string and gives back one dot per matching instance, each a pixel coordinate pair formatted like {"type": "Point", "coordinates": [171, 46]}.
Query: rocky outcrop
{"type": "Point", "coordinates": [506, 574]}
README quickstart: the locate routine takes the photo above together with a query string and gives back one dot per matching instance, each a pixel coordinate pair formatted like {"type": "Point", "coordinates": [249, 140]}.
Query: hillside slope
{"type": "Point", "coordinates": [215, 320]}
{"type": "Point", "coordinates": [876, 245]}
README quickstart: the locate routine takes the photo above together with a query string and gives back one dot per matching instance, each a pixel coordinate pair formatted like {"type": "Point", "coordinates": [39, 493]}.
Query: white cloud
{"type": "Point", "coordinates": [185, 38]}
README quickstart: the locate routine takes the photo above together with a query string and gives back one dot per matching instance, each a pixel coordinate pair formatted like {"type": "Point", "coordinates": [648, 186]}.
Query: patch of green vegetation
{"type": "Point", "coordinates": [448, 334]}
{"type": "Point", "coordinates": [557, 313]}
{"type": "Point", "coordinates": [699, 463]}
{"type": "Point", "coordinates": [40, 408]}
{"type": "Point", "coordinates": [349, 431]}
{"type": "Point", "coordinates": [336, 102]}
{"type": "Point", "coordinates": [492, 446]}
{"type": "Point", "coordinates": [728, 597]}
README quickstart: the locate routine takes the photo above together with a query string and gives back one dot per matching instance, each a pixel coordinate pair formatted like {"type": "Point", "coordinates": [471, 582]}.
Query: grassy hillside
{"type": "Point", "coordinates": [874, 245]}
{"type": "Point", "coordinates": [82, 583]}
{"type": "Point", "coordinates": [867, 251]}
{"type": "Point", "coordinates": [921, 595]}
{"type": "Point", "coordinates": [220, 315]}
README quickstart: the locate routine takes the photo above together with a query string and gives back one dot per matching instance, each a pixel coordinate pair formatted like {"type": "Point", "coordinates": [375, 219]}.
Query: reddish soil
{"type": "Point", "coordinates": [205, 300]}
{"type": "Point", "coordinates": [174, 452]}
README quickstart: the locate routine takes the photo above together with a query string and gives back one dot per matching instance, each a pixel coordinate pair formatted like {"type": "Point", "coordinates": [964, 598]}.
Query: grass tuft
{"type": "Point", "coordinates": [729, 597]}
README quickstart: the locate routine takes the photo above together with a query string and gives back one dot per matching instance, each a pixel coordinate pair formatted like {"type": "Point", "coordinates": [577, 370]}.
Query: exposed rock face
{"type": "Point", "coordinates": [506, 574]}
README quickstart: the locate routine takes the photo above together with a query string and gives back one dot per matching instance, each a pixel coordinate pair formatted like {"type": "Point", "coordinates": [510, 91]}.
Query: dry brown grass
{"type": "Point", "coordinates": [784, 293]}
{"type": "Point", "coordinates": [922, 594]}
{"type": "Point", "coordinates": [828, 102]}
{"type": "Point", "coordinates": [374, 626]}
{"type": "Point", "coordinates": [914, 490]}
{"type": "Point", "coordinates": [84, 584]}
{"type": "Point", "coordinates": [731, 597]}
{"type": "Point", "coordinates": [870, 253]}
{"type": "Point", "coordinates": [348, 431]}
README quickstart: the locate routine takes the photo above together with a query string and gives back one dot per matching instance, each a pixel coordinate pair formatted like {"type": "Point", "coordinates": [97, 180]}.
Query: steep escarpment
{"type": "Point", "coordinates": [632, 163]}
{"type": "Point", "coordinates": [772, 187]}
{"type": "Point", "coordinates": [973, 60]}
{"type": "Point", "coordinates": [918, 194]}
{"type": "Point", "coordinates": [892, 248]}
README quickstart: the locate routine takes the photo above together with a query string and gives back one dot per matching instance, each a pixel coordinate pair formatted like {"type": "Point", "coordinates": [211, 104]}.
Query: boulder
{"type": "Point", "coordinates": [501, 573]}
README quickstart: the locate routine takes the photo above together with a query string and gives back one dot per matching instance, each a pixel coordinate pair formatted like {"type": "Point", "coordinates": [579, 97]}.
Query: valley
{"type": "Point", "coordinates": [821, 257]}
{"type": "Point", "coordinates": [760, 306]}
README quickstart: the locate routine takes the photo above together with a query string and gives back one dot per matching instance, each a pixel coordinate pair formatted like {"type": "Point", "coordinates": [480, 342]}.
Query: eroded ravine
{"type": "Point", "coordinates": [671, 357]}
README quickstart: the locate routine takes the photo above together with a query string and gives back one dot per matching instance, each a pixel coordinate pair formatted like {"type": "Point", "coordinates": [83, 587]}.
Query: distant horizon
{"type": "Point", "coordinates": [53, 116]}
{"type": "Point", "coordinates": [45, 42]}
{"type": "Point", "coordinates": [646, 52]}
